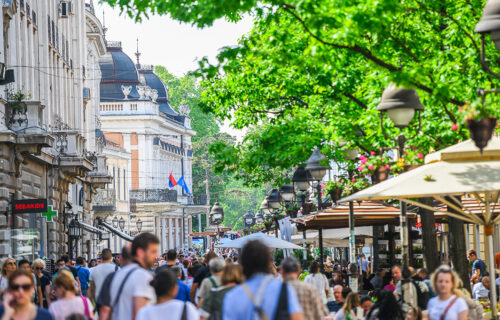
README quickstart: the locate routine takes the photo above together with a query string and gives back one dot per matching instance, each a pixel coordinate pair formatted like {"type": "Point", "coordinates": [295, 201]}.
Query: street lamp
{"type": "Point", "coordinates": [274, 199]}
{"type": "Point", "coordinates": [258, 217]}
{"type": "Point", "coordinates": [121, 224]}
{"type": "Point", "coordinates": [401, 105]}
{"type": "Point", "coordinates": [301, 179]}
{"type": "Point", "coordinates": [74, 233]}
{"type": "Point", "coordinates": [287, 192]}
{"type": "Point", "coordinates": [138, 224]}
{"type": "Point", "coordinates": [115, 222]}
{"type": "Point", "coordinates": [316, 168]}
{"type": "Point", "coordinates": [217, 216]}
{"type": "Point", "coordinates": [264, 206]}
{"type": "Point", "coordinates": [248, 218]}
{"type": "Point", "coordinates": [489, 24]}
{"type": "Point", "coordinates": [67, 213]}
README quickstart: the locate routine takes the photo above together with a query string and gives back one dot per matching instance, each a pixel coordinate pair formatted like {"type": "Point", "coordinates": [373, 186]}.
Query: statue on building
{"type": "Point", "coordinates": [126, 91]}
{"type": "Point", "coordinates": [184, 109]}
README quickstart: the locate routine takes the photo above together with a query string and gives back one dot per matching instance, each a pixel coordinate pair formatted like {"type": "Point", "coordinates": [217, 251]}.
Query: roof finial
{"type": "Point", "coordinates": [104, 29]}
{"type": "Point", "coordinates": [138, 54]}
{"type": "Point", "coordinates": [92, 6]}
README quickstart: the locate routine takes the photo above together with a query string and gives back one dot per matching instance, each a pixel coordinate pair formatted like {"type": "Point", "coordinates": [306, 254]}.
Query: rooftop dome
{"type": "Point", "coordinates": [154, 82]}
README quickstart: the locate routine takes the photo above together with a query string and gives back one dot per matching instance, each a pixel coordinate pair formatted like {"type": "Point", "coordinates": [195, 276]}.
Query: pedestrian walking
{"type": "Point", "coordinates": [385, 308]}
{"type": "Point", "coordinates": [17, 303]}
{"type": "Point", "coordinates": [318, 280]}
{"type": "Point", "coordinates": [366, 304]}
{"type": "Point", "coordinates": [183, 292]}
{"type": "Point", "coordinates": [99, 273]}
{"type": "Point", "coordinates": [83, 275]}
{"type": "Point", "coordinates": [447, 305]}
{"type": "Point", "coordinates": [261, 293]}
{"type": "Point", "coordinates": [351, 308]}
{"type": "Point", "coordinates": [166, 307]}
{"type": "Point", "coordinates": [8, 267]}
{"type": "Point", "coordinates": [216, 266]}
{"type": "Point", "coordinates": [309, 297]}
{"type": "Point", "coordinates": [43, 280]}
{"type": "Point", "coordinates": [201, 274]}
{"type": "Point", "coordinates": [25, 265]}
{"type": "Point", "coordinates": [130, 288]}
{"type": "Point", "coordinates": [211, 309]}
{"type": "Point", "coordinates": [335, 306]}
{"type": "Point", "coordinates": [68, 302]}
{"type": "Point", "coordinates": [378, 280]}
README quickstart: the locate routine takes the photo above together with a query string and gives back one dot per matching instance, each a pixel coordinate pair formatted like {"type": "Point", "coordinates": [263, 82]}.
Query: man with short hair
{"type": "Point", "coordinates": [71, 268]}
{"type": "Point", "coordinates": [334, 306]}
{"type": "Point", "coordinates": [261, 293]}
{"type": "Point", "coordinates": [309, 298]}
{"type": "Point", "coordinates": [378, 280]}
{"type": "Point", "coordinates": [481, 289]}
{"type": "Point", "coordinates": [478, 266]}
{"type": "Point", "coordinates": [99, 273]}
{"type": "Point", "coordinates": [83, 274]}
{"type": "Point", "coordinates": [183, 289]}
{"type": "Point", "coordinates": [216, 266]}
{"type": "Point", "coordinates": [202, 273]}
{"type": "Point", "coordinates": [130, 287]}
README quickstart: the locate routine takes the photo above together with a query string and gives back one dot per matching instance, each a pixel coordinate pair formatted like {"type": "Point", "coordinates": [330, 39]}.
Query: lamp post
{"type": "Point", "coordinates": [401, 104]}
{"type": "Point", "coordinates": [489, 24]}
{"type": "Point", "coordinates": [114, 222]}
{"type": "Point", "coordinates": [217, 216]}
{"type": "Point", "coordinates": [259, 218]}
{"type": "Point", "coordinates": [121, 224]}
{"type": "Point", "coordinates": [316, 167]}
{"type": "Point", "coordinates": [74, 233]}
{"type": "Point", "coordinates": [138, 224]}
{"type": "Point", "coordinates": [248, 220]}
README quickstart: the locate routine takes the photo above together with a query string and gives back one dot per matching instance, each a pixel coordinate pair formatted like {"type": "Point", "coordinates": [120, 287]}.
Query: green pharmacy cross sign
{"type": "Point", "coordinates": [49, 214]}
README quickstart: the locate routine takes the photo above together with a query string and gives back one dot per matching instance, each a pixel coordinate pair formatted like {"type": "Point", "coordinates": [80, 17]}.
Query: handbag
{"type": "Point", "coordinates": [87, 309]}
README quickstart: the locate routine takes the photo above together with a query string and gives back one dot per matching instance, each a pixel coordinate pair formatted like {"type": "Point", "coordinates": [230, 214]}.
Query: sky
{"type": "Point", "coordinates": [177, 46]}
{"type": "Point", "coordinates": [164, 41]}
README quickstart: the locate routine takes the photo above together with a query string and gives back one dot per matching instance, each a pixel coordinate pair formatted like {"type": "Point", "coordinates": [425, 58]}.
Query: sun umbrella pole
{"type": "Point", "coordinates": [304, 252]}
{"type": "Point", "coordinates": [404, 235]}
{"type": "Point", "coordinates": [488, 231]}
{"type": "Point", "coordinates": [353, 279]}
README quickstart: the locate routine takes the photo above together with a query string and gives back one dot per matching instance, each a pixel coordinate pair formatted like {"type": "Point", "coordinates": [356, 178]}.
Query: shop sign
{"type": "Point", "coordinates": [29, 206]}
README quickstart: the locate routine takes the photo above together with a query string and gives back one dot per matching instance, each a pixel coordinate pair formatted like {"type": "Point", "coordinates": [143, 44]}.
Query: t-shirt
{"type": "Point", "coordinates": [4, 283]}
{"type": "Point", "coordinates": [201, 274]}
{"type": "Point", "coordinates": [479, 264]}
{"type": "Point", "coordinates": [207, 285]}
{"type": "Point", "coordinates": [61, 309]}
{"type": "Point", "coordinates": [183, 294]}
{"type": "Point", "coordinates": [43, 282]}
{"type": "Point", "coordinates": [364, 265]}
{"type": "Point", "coordinates": [436, 307]}
{"type": "Point", "coordinates": [83, 275]}
{"type": "Point", "coordinates": [168, 310]}
{"type": "Point", "coordinates": [137, 285]}
{"type": "Point", "coordinates": [41, 314]}
{"type": "Point", "coordinates": [99, 273]}
{"type": "Point", "coordinates": [320, 282]}
{"type": "Point", "coordinates": [479, 290]}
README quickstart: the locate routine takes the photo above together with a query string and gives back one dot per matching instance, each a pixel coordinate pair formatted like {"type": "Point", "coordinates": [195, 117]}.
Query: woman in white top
{"type": "Point", "coordinates": [350, 309]}
{"type": "Point", "coordinates": [68, 303]}
{"type": "Point", "coordinates": [9, 266]}
{"type": "Point", "coordinates": [165, 286]}
{"type": "Point", "coordinates": [318, 280]}
{"type": "Point", "coordinates": [448, 304]}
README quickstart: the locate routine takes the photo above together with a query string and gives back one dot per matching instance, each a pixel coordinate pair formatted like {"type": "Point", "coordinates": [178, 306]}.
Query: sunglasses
{"type": "Point", "coordinates": [16, 287]}
{"type": "Point", "coordinates": [10, 263]}
{"type": "Point", "coordinates": [38, 268]}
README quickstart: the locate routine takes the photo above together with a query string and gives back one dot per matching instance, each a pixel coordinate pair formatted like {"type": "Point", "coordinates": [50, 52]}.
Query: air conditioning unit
{"type": "Point", "coordinates": [66, 9]}
{"type": "Point", "coordinates": [86, 94]}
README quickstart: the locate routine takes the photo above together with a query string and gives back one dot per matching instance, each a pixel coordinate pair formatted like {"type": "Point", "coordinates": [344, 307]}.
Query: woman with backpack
{"type": "Point", "coordinates": [68, 302]}
{"type": "Point", "coordinates": [211, 309]}
{"type": "Point", "coordinates": [165, 285]}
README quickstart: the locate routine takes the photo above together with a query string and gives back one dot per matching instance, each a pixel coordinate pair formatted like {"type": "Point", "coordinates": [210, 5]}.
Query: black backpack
{"type": "Point", "coordinates": [282, 309]}
{"type": "Point", "coordinates": [423, 294]}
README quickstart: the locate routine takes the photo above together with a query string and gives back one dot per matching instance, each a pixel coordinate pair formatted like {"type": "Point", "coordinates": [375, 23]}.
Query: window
{"type": "Point", "coordinates": [114, 179]}
{"type": "Point", "coordinates": [118, 187]}
{"type": "Point", "coordinates": [124, 184]}
{"type": "Point", "coordinates": [80, 197]}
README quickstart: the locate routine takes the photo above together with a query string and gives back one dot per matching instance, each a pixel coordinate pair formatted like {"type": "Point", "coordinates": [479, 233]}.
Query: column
{"type": "Point", "coordinates": [163, 234]}
{"type": "Point", "coordinates": [170, 231]}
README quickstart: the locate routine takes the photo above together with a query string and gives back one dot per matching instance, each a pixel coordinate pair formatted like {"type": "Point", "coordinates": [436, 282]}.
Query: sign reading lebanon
{"type": "Point", "coordinates": [29, 206]}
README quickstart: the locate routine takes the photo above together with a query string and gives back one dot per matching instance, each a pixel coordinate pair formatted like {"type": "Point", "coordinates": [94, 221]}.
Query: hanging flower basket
{"type": "Point", "coordinates": [380, 174]}
{"type": "Point", "coordinates": [481, 131]}
{"type": "Point", "coordinates": [336, 194]}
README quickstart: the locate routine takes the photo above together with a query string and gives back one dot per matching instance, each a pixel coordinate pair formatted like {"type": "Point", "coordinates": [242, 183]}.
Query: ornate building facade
{"type": "Point", "coordinates": [48, 116]}
{"type": "Point", "coordinates": [136, 115]}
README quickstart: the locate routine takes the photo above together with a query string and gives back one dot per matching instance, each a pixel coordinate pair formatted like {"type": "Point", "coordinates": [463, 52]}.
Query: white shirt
{"type": "Point", "coordinates": [320, 282]}
{"type": "Point", "coordinates": [99, 273]}
{"type": "Point", "coordinates": [171, 309]}
{"type": "Point", "coordinates": [4, 283]}
{"type": "Point", "coordinates": [61, 309]}
{"type": "Point", "coordinates": [479, 290]}
{"type": "Point", "coordinates": [137, 285]}
{"type": "Point", "coordinates": [436, 307]}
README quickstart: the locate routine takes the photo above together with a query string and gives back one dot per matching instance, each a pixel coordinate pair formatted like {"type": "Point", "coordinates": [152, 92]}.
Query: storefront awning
{"type": "Point", "coordinates": [90, 228]}
{"type": "Point", "coordinates": [117, 232]}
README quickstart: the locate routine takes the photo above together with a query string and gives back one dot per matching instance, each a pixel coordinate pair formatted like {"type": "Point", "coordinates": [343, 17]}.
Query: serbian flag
{"type": "Point", "coordinates": [171, 181]}
{"type": "Point", "coordinates": [183, 184]}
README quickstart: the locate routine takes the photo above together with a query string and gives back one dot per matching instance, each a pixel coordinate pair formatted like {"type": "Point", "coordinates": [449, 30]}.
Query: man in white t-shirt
{"type": "Point", "coordinates": [130, 288]}
{"type": "Point", "coordinates": [99, 273]}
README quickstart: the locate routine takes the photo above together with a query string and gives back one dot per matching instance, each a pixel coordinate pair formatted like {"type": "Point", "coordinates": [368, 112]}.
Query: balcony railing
{"type": "Point", "coordinates": [104, 200]}
{"type": "Point", "coordinates": [153, 195]}
{"type": "Point", "coordinates": [199, 199]}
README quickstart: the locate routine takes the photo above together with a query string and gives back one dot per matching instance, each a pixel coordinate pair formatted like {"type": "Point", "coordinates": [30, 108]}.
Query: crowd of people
{"type": "Point", "coordinates": [245, 284]}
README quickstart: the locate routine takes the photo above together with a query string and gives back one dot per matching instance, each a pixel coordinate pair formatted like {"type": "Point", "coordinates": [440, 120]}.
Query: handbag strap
{"type": "Point", "coordinates": [448, 308]}
{"type": "Point", "coordinates": [121, 286]}
{"type": "Point", "coordinates": [282, 309]}
{"type": "Point", "coordinates": [261, 312]}
{"type": "Point", "coordinates": [86, 306]}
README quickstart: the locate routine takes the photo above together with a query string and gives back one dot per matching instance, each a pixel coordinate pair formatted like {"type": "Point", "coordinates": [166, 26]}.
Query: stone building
{"type": "Point", "coordinates": [136, 115]}
{"type": "Point", "coordinates": [48, 117]}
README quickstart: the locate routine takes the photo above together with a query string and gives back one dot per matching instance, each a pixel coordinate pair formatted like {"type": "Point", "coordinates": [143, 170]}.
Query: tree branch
{"type": "Point", "coordinates": [450, 115]}
{"type": "Point", "coordinates": [356, 100]}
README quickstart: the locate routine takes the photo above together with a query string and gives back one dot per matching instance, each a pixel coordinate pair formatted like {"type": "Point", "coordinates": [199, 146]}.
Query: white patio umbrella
{"type": "Point", "coordinates": [453, 172]}
{"type": "Point", "coordinates": [269, 241]}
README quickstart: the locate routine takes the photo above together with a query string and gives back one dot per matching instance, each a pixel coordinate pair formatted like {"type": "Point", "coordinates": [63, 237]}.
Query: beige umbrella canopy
{"type": "Point", "coordinates": [456, 171]}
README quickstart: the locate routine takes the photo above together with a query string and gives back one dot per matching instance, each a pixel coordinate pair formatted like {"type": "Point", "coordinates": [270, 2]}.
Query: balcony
{"type": "Point", "coordinates": [104, 200]}
{"type": "Point", "coordinates": [198, 200]}
{"type": "Point", "coordinates": [153, 195]}
{"type": "Point", "coordinates": [72, 157]}
{"type": "Point", "coordinates": [99, 176]}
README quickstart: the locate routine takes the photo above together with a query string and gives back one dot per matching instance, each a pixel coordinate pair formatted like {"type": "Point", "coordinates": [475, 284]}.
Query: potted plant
{"type": "Point", "coordinates": [413, 158]}
{"type": "Point", "coordinates": [375, 165]}
{"type": "Point", "coordinates": [356, 184]}
{"type": "Point", "coordinates": [334, 188]}
{"type": "Point", "coordinates": [480, 118]}
{"type": "Point", "coordinates": [292, 210]}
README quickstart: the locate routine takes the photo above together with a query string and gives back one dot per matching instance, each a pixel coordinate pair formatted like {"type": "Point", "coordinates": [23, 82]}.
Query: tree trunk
{"type": "Point", "coordinates": [429, 242]}
{"type": "Point", "coordinates": [375, 258]}
{"type": "Point", "coordinates": [458, 248]}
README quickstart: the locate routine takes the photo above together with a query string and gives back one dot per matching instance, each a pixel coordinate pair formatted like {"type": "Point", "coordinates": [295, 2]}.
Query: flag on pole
{"type": "Point", "coordinates": [183, 184]}
{"type": "Point", "coordinates": [171, 181]}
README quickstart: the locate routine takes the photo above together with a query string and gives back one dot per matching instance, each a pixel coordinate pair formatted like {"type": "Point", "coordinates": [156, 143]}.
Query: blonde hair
{"type": "Point", "coordinates": [65, 280]}
{"type": "Point", "coordinates": [232, 273]}
{"type": "Point", "coordinates": [455, 280]}
{"type": "Point", "coordinates": [351, 302]}
{"type": "Point", "coordinates": [4, 266]}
